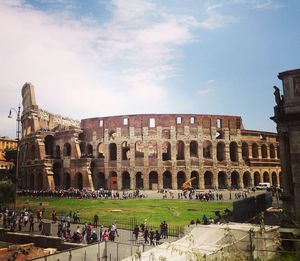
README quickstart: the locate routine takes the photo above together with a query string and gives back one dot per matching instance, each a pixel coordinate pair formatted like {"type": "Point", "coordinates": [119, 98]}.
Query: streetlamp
{"type": "Point", "coordinates": [18, 112]}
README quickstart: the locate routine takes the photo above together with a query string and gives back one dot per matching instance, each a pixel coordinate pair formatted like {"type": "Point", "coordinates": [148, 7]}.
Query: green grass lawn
{"type": "Point", "coordinates": [174, 212]}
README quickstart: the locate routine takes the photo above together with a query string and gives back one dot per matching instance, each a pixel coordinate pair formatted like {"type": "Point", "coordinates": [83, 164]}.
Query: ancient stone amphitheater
{"type": "Point", "coordinates": [149, 151]}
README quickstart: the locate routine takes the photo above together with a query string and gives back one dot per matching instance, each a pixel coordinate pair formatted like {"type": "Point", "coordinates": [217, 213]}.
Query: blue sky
{"type": "Point", "coordinates": [98, 58]}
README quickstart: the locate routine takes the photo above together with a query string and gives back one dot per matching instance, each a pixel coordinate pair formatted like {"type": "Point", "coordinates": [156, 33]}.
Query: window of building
{"type": "Point", "coordinates": [219, 123]}
{"type": "Point", "coordinates": [101, 123]}
{"type": "Point", "coordinates": [125, 121]}
{"type": "Point", "coordinates": [178, 120]}
{"type": "Point", "coordinates": [151, 122]}
{"type": "Point", "coordinates": [192, 120]}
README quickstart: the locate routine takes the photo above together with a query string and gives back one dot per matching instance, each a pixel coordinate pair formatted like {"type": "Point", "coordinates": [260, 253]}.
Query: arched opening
{"type": "Point", "coordinates": [31, 181]}
{"type": "Point", "coordinates": [274, 179]}
{"type": "Point", "coordinates": [153, 180]}
{"type": "Point", "coordinates": [219, 135]}
{"type": "Point", "coordinates": [125, 151]}
{"type": "Point", "coordinates": [94, 174]}
{"type": "Point", "coordinates": [67, 150]}
{"type": "Point", "coordinates": [125, 180]}
{"type": "Point", "coordinates": [82, 148]}
{"type": "Point", "coordinates": [280, 179]}
{"type": "Point", "coordinates": [194, 149]}
{"type": "Point", "coordinates": [207, 146]}
{"type": "Point", "coordinates": [235, 180]}
{"type": "Point", "coordinates": [233, 151]}
{"type": "Point", "coordinates": [32, 152]}
{"type": "Point", "coordinates": [247, 179]}
{"type": "Point", "coordinates": [152, 149]}
{"type": "Point", "coordinates": [139, 149]}
{"type": "Point", "coordinates": [195, 182]}
{"type": "Point", "coordinates": [89, 150]}
{"type": "Point", "coordinates": [112, 151]}
{"type": "Point", "coordinates": [139, 181]}
{"type": "Point", "coordinates": [222, 180]}
{"type": "Point", "coordinates": [254, 150]}
{"type": "Point", "coordinates": [78, 181]}
{"type": "Point", "coordinates": [57, 152]}
{"type": "Point", "coordinates": [264, 151]}
{"type": "Point", "coordinates": [100, 150]}
{"type": "Point", "coordinates": [245, 151]}
{"type": "Point", "coordinates": [49, 144]}
{"type": "Point", "coordinates": [113, 180]}
{"type": "Point", "coordinates": [278, 152]}
{"type": "Point", "coordinates": [39, 179]}
{"type": "Point", "coordinates": [180, 179]}
{"type": "Point", "coordinates": [266, 177]}
{"type": "Point", "coordinates": [166, 151]}
{"type": "Point", "coordinates": [101, 181]}
{"type": "Point", "coordinates": [272, 151]}
{"type": "Point", "coordinates": [208, 180]}
{"type": "Point", "coordinates": [67, 180]}
{"type": "Point", "coordinates": [180, 150]}
{"type": "Point", "coordinates": [57, 170]}
{"type": "Point", "coordinates": [256, 178]}
{"type": "Point", "coordinates": [221, 151]}
{"type": "Point", "coordinates": [167, 180]}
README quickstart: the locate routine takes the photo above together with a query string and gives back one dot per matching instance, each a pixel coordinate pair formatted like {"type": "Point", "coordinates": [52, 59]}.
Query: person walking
{"type": "Point", "coordinates": [96, 219]}
{"type": "Point", "coordinates": [136, 232]}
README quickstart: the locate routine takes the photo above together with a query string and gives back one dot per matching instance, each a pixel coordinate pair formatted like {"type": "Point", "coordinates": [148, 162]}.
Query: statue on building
{"type": "Point", "coordinates": [278, 99]}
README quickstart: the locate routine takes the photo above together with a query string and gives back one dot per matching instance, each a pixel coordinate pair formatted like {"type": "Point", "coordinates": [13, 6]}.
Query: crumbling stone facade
{"type": "Point", "coordinates": [287, 117]}
{"type": "Point", "coordinates": [149, 151]}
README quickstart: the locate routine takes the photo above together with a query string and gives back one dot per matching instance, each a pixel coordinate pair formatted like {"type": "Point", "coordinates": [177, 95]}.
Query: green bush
{"type": "Point", "coordinates": [7, 192]}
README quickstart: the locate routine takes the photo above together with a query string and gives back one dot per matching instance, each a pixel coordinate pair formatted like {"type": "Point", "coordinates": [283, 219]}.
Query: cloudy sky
{"type": "Point", "coordinates": [109, 57]}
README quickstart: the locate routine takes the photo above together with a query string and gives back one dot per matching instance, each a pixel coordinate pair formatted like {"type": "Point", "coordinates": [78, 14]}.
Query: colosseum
{"type": "Point", "coordinates": [147, 151]}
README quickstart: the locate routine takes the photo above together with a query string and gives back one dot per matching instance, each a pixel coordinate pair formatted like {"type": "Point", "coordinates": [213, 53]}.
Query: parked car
{"type": "Point", "coordinates": [263, 185]}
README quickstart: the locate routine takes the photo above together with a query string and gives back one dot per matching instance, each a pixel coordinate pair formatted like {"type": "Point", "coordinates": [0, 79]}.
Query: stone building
{"type": "Point", "coordinates": [287, 117]}
{"type": "Point", "coordinates": [6, 143]}
{"type": "Point", "coordinates": [149, 151]}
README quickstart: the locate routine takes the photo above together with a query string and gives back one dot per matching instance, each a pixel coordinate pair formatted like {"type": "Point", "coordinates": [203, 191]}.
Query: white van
{"type": "Point", "coordinates": [263, 185]}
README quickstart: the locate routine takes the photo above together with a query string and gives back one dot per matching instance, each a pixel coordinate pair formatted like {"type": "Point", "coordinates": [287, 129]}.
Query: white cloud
{"type": "Point", "coordinates": [206, 88]}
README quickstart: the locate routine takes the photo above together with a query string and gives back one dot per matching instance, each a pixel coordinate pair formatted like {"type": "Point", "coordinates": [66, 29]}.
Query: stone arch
{"type": "Point", "coordinates": [274, 179]}
{"type": "Point", "coordinates": [180, 150]}
{"type": "Point", "coordinates": [101, 181]}
{"type": "Point", "coordinates": [112, 151]}
{"type": "Point", "coordinates": [194, 149]}
{"type": "Point", "coordinates": [207, 149]}
{"type": "Point", "coordinates": [139, 149]}
{"type": "Point", "coordinates": [222, 180]}
{"type": "Point", "coordinates": [266, 177]}
{"type": "Point", "coordinates": [233, 147]}
{"type": "Point", "coordinates": [272, 151]}
{"type": "Point", "coordinates": [195, 182]}
{"type": "Point", "coordinates": [152, 149]}
{"type": "Point", "coordinates": [153, 180]}
{"type": "Point", "coordinates": [256, 178]}
{"type": "Point", "coordinates": [78, 181]}
{"type": "Point", "coordinates": [67, 180]}
{"type": "Point", "coordinates": [245, 150]}
{"type": "Point", "coordinates": [166, 151]}
{"type": "Point", "coordinates": [278, 152]}
{"type": "Point", "coordinates": [113, 180]}
{"type": "Point", "coordinates": [89, 150]}
{"type": "Point", "coordinates": [49, 144]}
{"type": "Point", "coordinates": [125, 150]}
{"type": "Point", "coordinates": [221, 151]}
{"type": "Point", "coordinates": [247, 179]}
{"type": "Point", "coordinates": [139, 181]}
{"type": "Point", "coordinates": [57, 152]}
{"type": "Point", "coordinates": [235, 180]}
{"type": "Point", "coordinates": [57, 172]}
{"type": "Point", "coordinates": [100, 150]}
{"type": "Point", "coordinates": [167, 180]}
{"type": "Point", "coordinates": [254, 150]}
{"type": "Point", "coordinates": [67, 150]}
{"type": "Point", "coordinates": [39, 180]}
{"type": "Point", "coordinates": [82, 147]}
{"type": "Point", "coordinates": [125, 180]}
{"type": "Point", "coordinates": [180, 179]}
{"type": "Point", "coordinates": [208, 180]}
{"type": "Point", "coordinates": [264, 151]}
